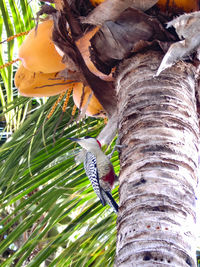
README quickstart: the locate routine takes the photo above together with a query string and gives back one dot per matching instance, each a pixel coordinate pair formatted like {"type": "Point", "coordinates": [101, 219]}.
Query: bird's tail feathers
{"type": "Point", "coordinates": [110, 200]}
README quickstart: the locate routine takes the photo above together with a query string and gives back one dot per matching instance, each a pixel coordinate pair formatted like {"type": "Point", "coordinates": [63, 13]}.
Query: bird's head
{"type": "Point", "coordinates": [87, 142]}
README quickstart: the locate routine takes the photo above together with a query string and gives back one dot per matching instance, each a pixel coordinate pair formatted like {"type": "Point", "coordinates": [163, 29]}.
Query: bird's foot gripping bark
{"type": "Point", "coordinates": [116, 147]}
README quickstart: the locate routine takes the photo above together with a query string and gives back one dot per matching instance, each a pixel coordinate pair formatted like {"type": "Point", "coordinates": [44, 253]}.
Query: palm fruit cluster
{"type": "Point", "coordinates": [38, 74]}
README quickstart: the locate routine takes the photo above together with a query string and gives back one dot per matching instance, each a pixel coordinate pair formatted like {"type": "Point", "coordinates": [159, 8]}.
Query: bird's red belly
{"type": "Point", "coordinates": [109, 177]}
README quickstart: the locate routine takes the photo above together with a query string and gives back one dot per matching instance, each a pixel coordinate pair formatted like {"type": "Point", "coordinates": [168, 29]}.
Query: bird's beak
{"type": "Point", "coordinates": [73, 139]}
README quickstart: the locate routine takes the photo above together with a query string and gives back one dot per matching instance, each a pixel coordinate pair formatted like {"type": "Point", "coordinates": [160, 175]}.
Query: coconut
{"type": "Point", "coordinates": [38, 53]}
{"type": "Point", "coordinates": [81, 95]}
{"type": "Point", "coordinates": [33, 84]}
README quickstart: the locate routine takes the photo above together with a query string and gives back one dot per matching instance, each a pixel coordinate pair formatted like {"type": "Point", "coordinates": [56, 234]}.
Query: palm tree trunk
{"type": "Point", "coordinates": [158, 122]}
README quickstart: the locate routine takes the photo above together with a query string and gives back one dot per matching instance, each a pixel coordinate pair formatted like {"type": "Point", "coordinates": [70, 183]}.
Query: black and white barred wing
{"type": "Point", "coordinates": [90, 166]}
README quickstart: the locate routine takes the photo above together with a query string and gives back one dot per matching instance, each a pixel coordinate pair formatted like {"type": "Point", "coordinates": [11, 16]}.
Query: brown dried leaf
{"type": "Point", "coordinates": [111, 9]}
{"type": "Point", "coordinates": [116, 40]}
{"type": "Point", "coordinates": [187, 28]}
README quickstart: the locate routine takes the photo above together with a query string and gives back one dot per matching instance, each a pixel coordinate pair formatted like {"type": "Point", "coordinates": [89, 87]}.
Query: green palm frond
{"type": "Point", "coordinates": [14, 19]}
{"type": "Point", "coordinates": [41, 186]}
{"type": "Point", "coordinates": [48, 210]}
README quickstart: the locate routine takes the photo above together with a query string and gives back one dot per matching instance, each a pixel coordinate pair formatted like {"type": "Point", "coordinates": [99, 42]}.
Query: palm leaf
{"type": "Point", "coordinates": [42, 189]}
{"type": "Point", "coordinates": [13, 20]}
{"type": "Point", "coordinates": [42, 185]}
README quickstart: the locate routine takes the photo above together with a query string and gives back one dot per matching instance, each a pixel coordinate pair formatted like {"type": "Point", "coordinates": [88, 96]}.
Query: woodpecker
{"type": "Point", "coordinates": [98, 168]}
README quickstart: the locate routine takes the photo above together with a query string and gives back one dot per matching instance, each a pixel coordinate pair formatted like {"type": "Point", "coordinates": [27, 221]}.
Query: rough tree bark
{"type": "Point", "coordinates": [158, 122]}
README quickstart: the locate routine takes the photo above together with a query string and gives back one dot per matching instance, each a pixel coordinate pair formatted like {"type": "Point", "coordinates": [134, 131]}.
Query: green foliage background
{"type": "Point", "coordinates": [48, 210]}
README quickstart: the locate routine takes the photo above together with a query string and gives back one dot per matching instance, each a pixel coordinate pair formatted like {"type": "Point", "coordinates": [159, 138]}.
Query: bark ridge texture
{"type": "Point", "coordinates": [159, 126]}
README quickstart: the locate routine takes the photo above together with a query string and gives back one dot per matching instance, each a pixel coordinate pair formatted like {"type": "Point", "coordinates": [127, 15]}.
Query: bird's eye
{"type": "Point", "coordinates": [87, 137]}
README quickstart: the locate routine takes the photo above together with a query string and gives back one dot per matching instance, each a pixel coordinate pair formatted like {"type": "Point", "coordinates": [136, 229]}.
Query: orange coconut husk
{"type": "Point", "coordinates": [31, 84]}
{"type": "Point", "coordinates": [81, 95]}
{"type": "Point", "coordinates": [96, 2]}
{"type": "Point", "coordinates": [38, 53]}
{"type": "Point", "coordinates": [178, 5]}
